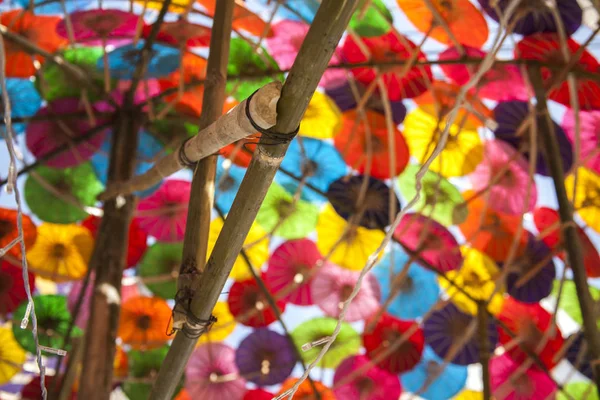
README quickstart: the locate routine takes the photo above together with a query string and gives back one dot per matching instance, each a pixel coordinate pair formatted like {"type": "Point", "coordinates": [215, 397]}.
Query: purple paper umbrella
{"type": "Point", "coordinates": [100, 26]}
{"type": "Point", "coordinates": [514, 129]}
{"type": "Point", "coordinates": [47, 135]}
{"type": "Point", "coordinates": [446, 327]}
{"type": "Point", "coordinates": [351, 381]}
{"type": "Point", "coordinates": [531, 275]}
{"type": "Point", "coordinates": [211, 374]}
{"type": "Point", "coordinates": [265, 357]}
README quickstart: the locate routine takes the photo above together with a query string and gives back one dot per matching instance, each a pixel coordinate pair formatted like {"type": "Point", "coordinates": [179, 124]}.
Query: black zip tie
{"type": "Point", "coordinates": [272, 138]}
{"type": "Point", "coordinates": [183, 158]}
{"type": "Point", "coordinates": [194, 327]}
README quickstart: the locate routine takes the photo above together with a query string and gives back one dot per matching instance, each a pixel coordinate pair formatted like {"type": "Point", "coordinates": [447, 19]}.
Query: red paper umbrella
{"type": "Point", "coordinates": [546, 47]}
{"type": "Point", "coordinates": [390, 47]}
{"type": "Point", "coordinates": [12, 289]}
{"type": "Point", "coordinates": [137, 242]}
{"type": "Point", "coordinates": [547, 222]}
{"type": "Point", "coordinates": [258, 394]}
{"type": "Point", "coordinates": [9, 231]}
{"type": "Point", "coordinates": [385, 343]}
{"type": "Point", "coordinates": [100, 26]}
{"type": "Point", "coordinates": [289, 273]}
{"type": "Point", "coordinates": [430, 240]}
{"type": "Point", "coordinates": [353, 142]}
{"type": "Point", "coordinates": [41, 30]}
{"type": "Point", "coordinates": [529, 322]}
{"type": "Point", "coordinates": [249, 305]}
{"type": "Point", "coordinates": [181, 33]}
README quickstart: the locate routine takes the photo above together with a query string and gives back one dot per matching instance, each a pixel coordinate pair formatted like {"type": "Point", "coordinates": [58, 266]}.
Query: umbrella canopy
{"type": "Point", "coordinates": [346, 344]}
{"type": "Point", "coordinates": [258, 394]}
{"type": "Point", "coordinates": [144, 322]}
{"type": "Point", "coordinates": [289, 271]}
{"type": "Point", "coordinates": [578, 390]}
{"type": "Point", "coordinates": [438, 197]}
{"type": "Point", "coordinates": [62, 195]}
{"type": "Point", "coordinates": [249, 305]}
{"type": "Point", "coordinates": [24, 99]}
{"type": "Point", "coordinates": [589, 126]}
{"type": "Point", "coordinates": [371, 19]}
{"type": "Point", "coordinates": [181, 33]}
{"type": "Point", "coordinates": [445, 328]}
{"type": "Point", "coordinates": [227, 183]}
{"type": "Point", "coordinates": [510, 383]}
{"type": "Point", "coordinates": [354, 379]}
{"type": "Point", "coordinates": [212, 373]}
{"type": "Point", "coordinates": [9, 231]}
{"type": "Point", "coordinates": [578, 354]}
{"type": "Point", "coordinates": [332, 285]}
{"type": "Point", "coordinates": [122, 61]}
{"type": "Point", "coordinates": [223, 327]}
{"type": "Point", "coordinates": [587, 196]}
{"type": "Point", "coordinates": [322, 119]}
{"type": "Point", "coordinates": [569, 302]}
{"type": "Point", "coordinates": [160, 268]}
{"type": "Point", "coordinates": [61, 252]}
{"type": "Point", "coordinates": [393, 344]}
{"type": "Point", "coordinates": [143, 369]}
{"type": "Point", "coordinates": [414, 289]}
{"type": "Point", "coordinates": [265, 357]}
{"type": "Point", "coordinates": [306, 391]}
{"type": "Point", "coordinates": [12, 287]}
{"type": "Point", "coordinates": [243, 18]}
{"type": "Point", "coordinates": [100, 26]}
{"type": "Point", "coordinates": [12, 356]}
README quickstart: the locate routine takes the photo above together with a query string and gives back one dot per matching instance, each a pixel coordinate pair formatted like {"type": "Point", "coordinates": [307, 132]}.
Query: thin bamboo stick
{"type": "Point", "coordinates": [484, 349]}
{"type": "Point", "coordinates": [316, 51]}
{"type": "Point", "coordinates": [565, 210]}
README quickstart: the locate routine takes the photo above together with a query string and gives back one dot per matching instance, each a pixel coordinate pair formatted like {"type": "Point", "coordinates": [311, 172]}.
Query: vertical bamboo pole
{"type": "Point", "coordinates": [484, 349]}
{"type": "Point", "coordinates": [569, 229]}
{"type": "Point", "coordinates": [314, 55]}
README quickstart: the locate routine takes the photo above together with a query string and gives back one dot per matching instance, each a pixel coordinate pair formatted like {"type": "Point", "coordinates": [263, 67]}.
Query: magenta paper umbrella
{"type": "Point", "coordinates": [289, 272]}
{"type": "Point", "coordinates": [211, 373]}
{"type": "Point", "coordinates": [493, 84]}
{"type": "Point", "coordinates": [589, 136]}
{"type": "Point", "coordinates": [287, 38]}
{"type": "Point", "coordinates": [429, 240]}
{"type": "Point", "coordinates": [353, 379]}
{"type": "Point", "coordinates": [504, 171]}
{"type": "Point", "coordinates": [510, 383]}
{"type": "Point", "coordinates": [100, 26]}
{"type": "Point", "coordinates": [163, 214]}
{"type": "Point", "coordinates": [332, 285]}
{"type": "Point", "coordinates": [48, 134]}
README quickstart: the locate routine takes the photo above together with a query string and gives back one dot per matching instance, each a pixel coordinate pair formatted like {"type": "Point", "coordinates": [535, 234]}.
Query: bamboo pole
{"type": "Point", "coordinates": [484, 349]}
{"type": "Point", "coordinates": [316, 51]}
{"type": "Point", "coordinates": [569, 228]}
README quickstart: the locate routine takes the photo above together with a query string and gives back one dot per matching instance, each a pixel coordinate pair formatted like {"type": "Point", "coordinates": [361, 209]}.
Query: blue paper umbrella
{"type": "Point", "coordinates": [416, 293]}
{"type": "Point", "coordinates": [297, 10]}
{"type": "Point", "coordinates": [148, 147]}
{"type": "Point", "coordinates": [227, 183]}
{"type": "Point", "coordinates": [431, 380]}
{"type": "Point", "coordinates": [122, 61]}
{"type": "Point", "coordinates": [319, 161]}
{"type": "Point", "coordinates": [45, 7]}
{"type": "Point", "coordinates": [25, 101]}
{"type": "Point", "coordinates": [446, 327]}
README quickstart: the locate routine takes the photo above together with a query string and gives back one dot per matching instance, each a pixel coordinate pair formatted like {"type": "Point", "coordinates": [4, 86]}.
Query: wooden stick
{"type": "Point", "coordinates": [565, 210]}
{"type": "Point", "coordinates": [484, 349]}
{"type": "Point", "coordinates": [315, 53]}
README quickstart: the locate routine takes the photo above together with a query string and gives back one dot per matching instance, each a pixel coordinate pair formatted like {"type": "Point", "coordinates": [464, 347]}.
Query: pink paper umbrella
{"type": "Point", "coordinates": [589, 136]}
{"type": "Point", "coordinates": [211, 373]}
{"type": "Point", "coordinates": [493, 84]}
{"type": "Point", "coordinates": [288, 274]}
{"type": "Point", "coordinates": [332, 285]}
{"type": "Point", "coordinates": [284, 45]}
{"type": "Point", "coordinates": [510, 383]}
{"type": "Point", "coordinates": [100, 26]}
{"type": "Point", "coordinates": [48, 134]}
{"type": "Point", "coordinates": [352, 380]}
{"type": "Point", "coordinates": [163, 214]}
{"type": "Point", "coordinates": [504, 170]}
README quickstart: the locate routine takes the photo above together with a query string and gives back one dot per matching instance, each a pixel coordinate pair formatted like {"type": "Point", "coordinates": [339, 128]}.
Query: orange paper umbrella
{"type": "Point", "coordinates": [144, 322]}
{"type": "Point", "coordinates": [40, 30]}
{"type": "Point", "coordinates": [243, 19]}
{"type": "Point", "coordinates": [465, 21]}
{"type": "Point", "coordinates": [306, 391]}
{"type": "Point", "coordinates": [9, 231]}
{"type": "Point", "coordinates": [357, 138]}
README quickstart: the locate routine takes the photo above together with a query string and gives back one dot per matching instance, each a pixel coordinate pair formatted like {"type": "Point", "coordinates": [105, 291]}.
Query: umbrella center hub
{"type": "Point", "coordinates": [301, 274]}
{"type": "Point", "coordinates": [523, 385]}
{"type": "Point", "coordinates": [6, 227]}
{"type": "Point", "coordinates": [59, 251]}
{"type": "Point", "coordinates": [405, 285]}
{"type": "Point", "coordinates": [265, 365]}
{"type": "Point", "coordinates": [345, 292]}
{"type": "Point", "coordinates": [433, 368]}
{"type": "Point", "coordinates": [309, 168]}
{"type": "Point", "coordinates": [143, 322]}
{"type": "Point", "coordinates": [470, 278]}
{"type": "Point", "coordinates": [434, 193]}
{"type": "Point", "coordinates": [102, 25]}
{"type": "Point", "coordinates": [285, 208]}
{"type": "Point", "coordinates": [365, 386]}
{"type": "Point", "coordinates": [226, 183]}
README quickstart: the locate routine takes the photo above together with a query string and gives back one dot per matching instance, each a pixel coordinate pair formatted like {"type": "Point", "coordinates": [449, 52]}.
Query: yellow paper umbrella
{"type": "Point", "coordinates": [12, 356]}
{"type": "Point", "coordinates": [349, 249]}
{"type": "Point", "coordinates": [461, 154]}
{"type": "Point", "coordinates": [222, 328]}
{"type": "Point", "coordinates": [477, 277]}
{"type": "Point", "coordinates": [469, 395]}
{"type": "Point", "coordinates": [587, 196]}
{"type": "Point", "coordinates": [61, 252]}
{"type": "Point", "coordinates": [322, 118]}
{"type": "Point", "coordinates": [256, 246]}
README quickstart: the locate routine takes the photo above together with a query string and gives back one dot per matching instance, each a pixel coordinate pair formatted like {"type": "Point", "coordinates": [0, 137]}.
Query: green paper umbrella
{"type": "Point", "coordinates": [578, 390]}
{"type": "Point", "coordinates": [289, 220]}
{"type": "Point", "coordinates": [244, 60]}
{"type": "Point", "coordinates": [375, 20]}
{"type": "Point", "coordinates": [56, 83]}
{"type": "Point", "coordinates": [53, 318]}
{"type": "Point", "coordinates": [346, 344]}
{"type": "Point", "coordinates": [59, 195]}
{"type": "Point", "coordinates": [569, 302]}
{"type": "Point", "coordinates": [159, 268]}
{"type": "Point", "coordinates": [143, 368]}
{"type": "Point", "coordinates": [439, 197]}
